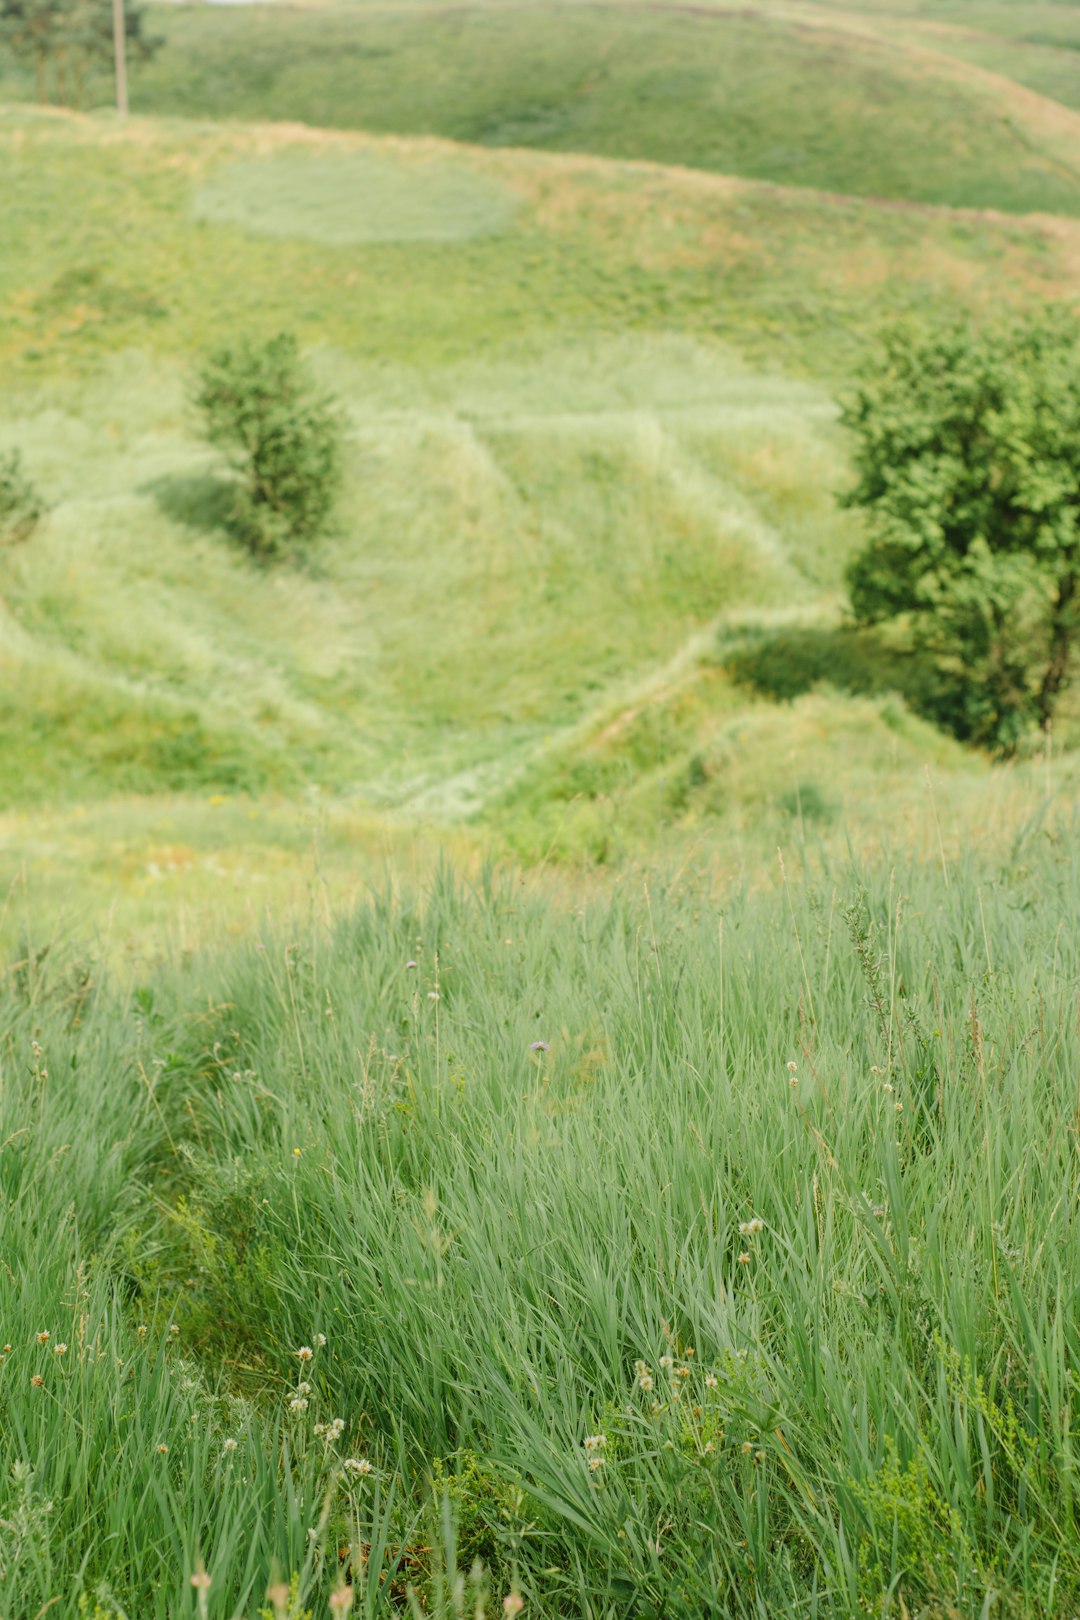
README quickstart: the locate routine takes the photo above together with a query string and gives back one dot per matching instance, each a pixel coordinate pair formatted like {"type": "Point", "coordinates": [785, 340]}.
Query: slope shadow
{"type": "Point", "coordinates": [200, 502]}
{"type": "Point", "coordinates": [784, 664]}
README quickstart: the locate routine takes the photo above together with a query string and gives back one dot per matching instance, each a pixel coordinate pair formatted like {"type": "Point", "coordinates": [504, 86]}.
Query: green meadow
{"type": "Point", "coordinates": [534, 1078]}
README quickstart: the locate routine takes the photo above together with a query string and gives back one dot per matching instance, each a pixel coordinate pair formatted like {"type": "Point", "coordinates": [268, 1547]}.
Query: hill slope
{"type": "Point", "coordinates": [591, 436]}
{"type": "Point", "coordinates": [826, 97]}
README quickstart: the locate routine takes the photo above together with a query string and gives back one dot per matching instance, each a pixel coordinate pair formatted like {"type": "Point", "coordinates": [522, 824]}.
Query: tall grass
{"type": "Point", "coordinates": [698, 1260]}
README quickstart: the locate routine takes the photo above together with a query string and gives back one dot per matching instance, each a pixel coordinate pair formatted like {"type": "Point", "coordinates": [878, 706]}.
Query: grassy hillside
{"type": "Point", "coordinates": [681, 1225]}
{"type": "Point", "coordinates": [810, 96]}
{"type": "Point", "coordinates": [586, 443]}
{"type": "Point", "coordinates": [1034, 45]}
{"type": "Point", "coordinates": [736, 93]}
{"type": "Point", "coordinates": [516, 1176]}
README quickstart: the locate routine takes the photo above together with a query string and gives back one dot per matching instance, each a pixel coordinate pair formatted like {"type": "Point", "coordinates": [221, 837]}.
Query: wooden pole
{"type": "Point", "coordinates": [120, 55]}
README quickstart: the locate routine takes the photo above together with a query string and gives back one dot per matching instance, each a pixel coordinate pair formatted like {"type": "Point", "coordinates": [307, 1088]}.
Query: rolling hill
{"type": "Point", "coordinates": [592, 443]}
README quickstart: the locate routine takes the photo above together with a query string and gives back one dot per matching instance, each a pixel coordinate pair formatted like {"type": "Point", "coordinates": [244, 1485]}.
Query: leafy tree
{"type": "Point", "coordinates": [967, 448]}
{"type": "Point", "coordinates": [68, 38]}
{"type": "Point", "coordinates": [283, 439]}
{"type": "Point", "coordinates": [21, 507]}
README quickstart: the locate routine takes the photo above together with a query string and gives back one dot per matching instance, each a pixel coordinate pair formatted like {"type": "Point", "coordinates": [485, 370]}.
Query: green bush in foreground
{"type": "Point", "coordinates": [283, 438]}
{"type": "Point", "coordinates": [967, 447]}
{"type": "Point", "coordinates": [698, 1265]}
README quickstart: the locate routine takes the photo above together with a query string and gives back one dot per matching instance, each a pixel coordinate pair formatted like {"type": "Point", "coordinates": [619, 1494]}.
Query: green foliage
{"type": "Point", "coordinates": [967, 448]}
{"type": "Point", "coordinates": [485, 1508]}
{"type": "Point", "coordinates": [915, 1543]}
{"type": "Point", "coordinates": [21, 507]}
{"type": "Point", "coordinates": [69, 39]}
{"type": "Point", "coordinates": [283, 437]}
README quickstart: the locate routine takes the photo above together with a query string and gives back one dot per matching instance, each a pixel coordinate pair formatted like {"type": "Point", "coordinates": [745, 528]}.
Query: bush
{"type": "Point", "coordinates": [968, 455]}
{"type": "Point", "coordinates": [282, 437]}
{"type": "Point", "coordinates": [21, 507]}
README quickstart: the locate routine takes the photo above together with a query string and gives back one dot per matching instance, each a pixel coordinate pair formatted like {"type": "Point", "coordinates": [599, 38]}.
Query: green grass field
{"type": "Point", "coordinates": [532, 1077]}
{"type": "Point", "coordinates": [617, 1228]}
{"type": "Point", "coordinates": [807, 95]}
{"type": "Point", "coordinates": [591, 445]}
{"type": "Point", "coordinates": [736, 92]}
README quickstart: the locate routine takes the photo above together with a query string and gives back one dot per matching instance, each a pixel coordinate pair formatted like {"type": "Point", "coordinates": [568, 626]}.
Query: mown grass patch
{"type": "Point", "coordinates": [346, 197]}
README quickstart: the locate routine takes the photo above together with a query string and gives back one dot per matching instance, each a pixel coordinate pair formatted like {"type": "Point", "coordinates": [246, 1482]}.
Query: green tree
{"type": "Point", "coordinates": [967, 448]}
{"type": "Point", "coordinates": [282, 437]}
{"type": "Point", "coordinates": [64, 40]}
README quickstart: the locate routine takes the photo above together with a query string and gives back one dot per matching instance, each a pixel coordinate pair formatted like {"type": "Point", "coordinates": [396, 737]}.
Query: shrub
{"type": "Point", "coordinates": [21, 507]}
{"type": "Point", "coordinates": [968, 455]}
{"type": "Point", "coordinates": [283, 440]}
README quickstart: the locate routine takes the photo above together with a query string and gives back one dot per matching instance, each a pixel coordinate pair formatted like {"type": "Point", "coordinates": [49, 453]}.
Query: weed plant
{"type": "Point", "coordinates": [695, 1261]}
{"type": "Point", "coordinates": [21, 507]}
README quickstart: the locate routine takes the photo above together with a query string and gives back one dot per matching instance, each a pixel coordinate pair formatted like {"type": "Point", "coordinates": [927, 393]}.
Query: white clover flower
{"type": "Point", "coordinates": [303, 1387]}
{"type": "Point", "coordinates": [666, 1362]}
{"type": "Point", "coordinates": [645, 1382]}
{"type": "Point", "coordinates": [593, 1442]}
{"type": "Point", "coordinates": [304, 1353]}
{"type": "Point", "coordinates": [711, 1381]}
{"type": "Point", "coordinates": [595, 1463]}
{"type": "Point", "coordinates": [357, 1465]}
{"type": "Point", "coordinates": [320, 1340]}
{"type": "Point", "coordinates": [298, 1403]}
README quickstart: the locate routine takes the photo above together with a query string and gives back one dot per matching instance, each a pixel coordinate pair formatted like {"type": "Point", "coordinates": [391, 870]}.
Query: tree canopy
{"type": "Point", "coordinates": [63, 40]}
{"type": "Point", "coordinates": [967, 449]}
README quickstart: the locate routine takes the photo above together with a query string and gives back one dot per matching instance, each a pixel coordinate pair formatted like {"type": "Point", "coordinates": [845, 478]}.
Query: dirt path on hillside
{"type": "Point", "coordinates": [467, 792]}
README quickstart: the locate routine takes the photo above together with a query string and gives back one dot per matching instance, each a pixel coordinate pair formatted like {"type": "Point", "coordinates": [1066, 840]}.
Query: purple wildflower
{"type": "Point", "coordinates": [410, 964]}
{"type": "Point", "coordinates": [539, 1046]}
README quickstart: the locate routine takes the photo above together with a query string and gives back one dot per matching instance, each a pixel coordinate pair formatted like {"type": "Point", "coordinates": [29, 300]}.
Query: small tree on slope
{"type": "Point", "coordinates": [967, 447]}
{"type": "Point", "coordinates": [282, 437]}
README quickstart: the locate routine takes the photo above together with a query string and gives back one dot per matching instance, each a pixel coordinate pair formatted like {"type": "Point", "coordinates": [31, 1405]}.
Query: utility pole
{"type": "Point", "coordinates": [120, 55]}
